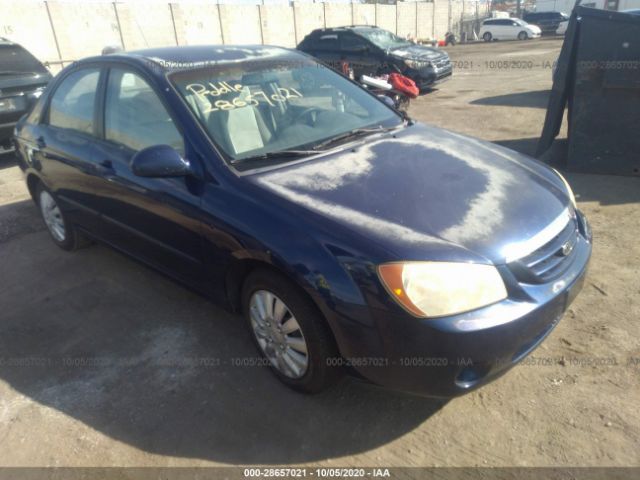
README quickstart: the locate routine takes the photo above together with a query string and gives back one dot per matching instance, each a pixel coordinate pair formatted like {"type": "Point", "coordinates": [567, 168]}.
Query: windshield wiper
{"type": "Point", "coordinates": [277, 154]}
{"type": "Point", "coordinates": [356, 132]}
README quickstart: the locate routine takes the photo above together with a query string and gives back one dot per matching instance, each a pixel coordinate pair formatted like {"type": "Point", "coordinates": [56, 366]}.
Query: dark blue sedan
{"type": "Point", "coordinates": [350, 237]}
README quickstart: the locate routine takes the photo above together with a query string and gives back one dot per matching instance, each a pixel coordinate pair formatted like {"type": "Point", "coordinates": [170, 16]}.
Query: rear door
{"type": "Point", "coordinates": [504, 27]}
{"type": "Point", "coordinates": [154, 219]}
{"type": "Point", "coordinates": [66, 149]}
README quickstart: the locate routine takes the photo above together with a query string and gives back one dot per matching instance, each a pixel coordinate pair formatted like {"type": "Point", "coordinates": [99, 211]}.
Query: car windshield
{"type": "Point", "coordinates": [16, 60]}
{"type": "Point", "coordinates": [383, 38]}
{"type": "Point", "coordinates": [260, 109]}
{"type": "Point", "coordinates": [520, 22]}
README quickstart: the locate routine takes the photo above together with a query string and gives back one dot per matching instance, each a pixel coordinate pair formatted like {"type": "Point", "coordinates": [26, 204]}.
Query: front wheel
{"type": "Point", "coordinates": [487, 36]}
{"type": "Point", "coordinates": [523, 36]}
{"type": "Point", "coordinates": [290, 332]}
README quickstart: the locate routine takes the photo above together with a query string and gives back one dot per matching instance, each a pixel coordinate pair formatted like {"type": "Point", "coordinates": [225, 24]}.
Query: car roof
{"type": "Point", "coordinates": [345, 28]}
{"type": "Point", "coordinates": [185, 57]}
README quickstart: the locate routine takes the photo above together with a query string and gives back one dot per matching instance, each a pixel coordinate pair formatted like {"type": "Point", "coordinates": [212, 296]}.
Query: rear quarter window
{"type": "Point", "coordinates": [328, 41]}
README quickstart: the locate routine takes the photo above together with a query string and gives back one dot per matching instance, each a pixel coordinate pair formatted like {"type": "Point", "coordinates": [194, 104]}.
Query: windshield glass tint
{"type": "Point", "coordinates": [257, 107]}
{"type": "Point", "coordinates": [14, 58]}
{"type": "Point", "coordinates": [383, 38]}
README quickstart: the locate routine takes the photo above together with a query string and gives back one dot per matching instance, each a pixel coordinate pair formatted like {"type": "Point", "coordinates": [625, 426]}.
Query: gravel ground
{"type": "Point", "coordinates": [106, 363]}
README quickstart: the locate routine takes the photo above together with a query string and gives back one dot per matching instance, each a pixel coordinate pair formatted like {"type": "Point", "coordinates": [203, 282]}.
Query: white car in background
{"type": "Point", "coordinates": [562, 28]}
{"type": "Point", "coordinates": [508, 29]}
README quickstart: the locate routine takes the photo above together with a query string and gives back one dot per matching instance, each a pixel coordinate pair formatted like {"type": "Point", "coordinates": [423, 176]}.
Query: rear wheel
{"type": "Point", "coordinates": [62, 232]}
{"type": "Point", "coordinates": [289, 332]}
{"type": "Point", "coordinates": [487, 36]}
{"type": "Point", "coordinates": [523, 36]}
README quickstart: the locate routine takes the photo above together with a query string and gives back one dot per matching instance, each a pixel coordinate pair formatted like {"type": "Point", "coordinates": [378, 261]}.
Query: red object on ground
{"type": "Point", "coordinates": [404, 84]}
{"type": "Point", "coordinates": [442, 43]}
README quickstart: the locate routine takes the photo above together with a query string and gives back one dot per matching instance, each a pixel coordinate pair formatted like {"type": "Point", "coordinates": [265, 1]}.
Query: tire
{"type": "Point", "coordinates": [262, 287]}
{"type": "Point", "coordinates": [63, 233]}
{"type": "Point", "coordinates": [487, 37]}
{"type": "Point", "coordinates": [523, 36]}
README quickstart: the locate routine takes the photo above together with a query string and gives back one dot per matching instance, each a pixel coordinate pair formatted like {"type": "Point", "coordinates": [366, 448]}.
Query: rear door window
{"type": "Point", "coordinates": [73, 103]}
{"type": "Point", "coordinates": [353, 43]}
{"type": "Point", "coordinates": [327, 42]}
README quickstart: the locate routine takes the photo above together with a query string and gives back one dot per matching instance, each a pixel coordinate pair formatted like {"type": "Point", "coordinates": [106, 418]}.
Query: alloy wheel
{"type": "Point", "coordinates": [278, 334]}
{"type": "Point", "coordinates": [52, 216]}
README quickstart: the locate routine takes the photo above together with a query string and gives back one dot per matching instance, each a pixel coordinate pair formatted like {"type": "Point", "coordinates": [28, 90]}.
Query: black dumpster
{"type": "Point", "coordinates": [598, 75]}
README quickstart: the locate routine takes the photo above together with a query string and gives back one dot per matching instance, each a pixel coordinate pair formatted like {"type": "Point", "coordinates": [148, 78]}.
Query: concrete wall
{"type": "Point", "coordinates": [197, 24]}
{"type": "Point", "coordinates": [142, 25]}
{"type": "Point", "coordinates": [277, 25]}
{"type": "Point", "coordinates": [30, 26]}
{"type": "Point", "coordinates": [386, 17]}
{"type": "Point", "coordinates": [425, 20]}
{"type": "Point", "coordinates": [308, 17]}
{"type": "Point", "coordinates": [240, 24]}
{"type": "Point", "coordinates": [364, 14]}
{"type": "Point", "coordinates": [337, 14]}
{"type": "Point", "coordinates": [406, 19]}
{"type": "Point", "coordinates": [60, 31]}
{"type": "Point", "coordinates": [441, 17]}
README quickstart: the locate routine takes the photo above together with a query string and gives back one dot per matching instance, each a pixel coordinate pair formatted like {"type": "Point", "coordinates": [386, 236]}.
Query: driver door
{"type": "Point", "coordinates": [154, 219]}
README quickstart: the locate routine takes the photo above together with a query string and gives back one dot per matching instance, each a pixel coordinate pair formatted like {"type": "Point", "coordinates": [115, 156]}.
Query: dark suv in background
{"type": "Point", "coordinates": [22, 80]}
{"type": "Point", "coordinates": [547, 21]}
{"type": "Point", "coordinates": [370, 50]}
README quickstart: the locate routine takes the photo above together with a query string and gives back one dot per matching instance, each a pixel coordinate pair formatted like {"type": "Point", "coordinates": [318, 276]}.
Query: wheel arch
{"type": "Point", "coordinates": [33, 181]}
{"type": "Point", "coordinates": [239, 271]}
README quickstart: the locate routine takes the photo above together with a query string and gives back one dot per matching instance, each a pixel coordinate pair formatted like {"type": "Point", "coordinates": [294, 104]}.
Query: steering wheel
{"type": "Point", "coordinates": [309, 111]}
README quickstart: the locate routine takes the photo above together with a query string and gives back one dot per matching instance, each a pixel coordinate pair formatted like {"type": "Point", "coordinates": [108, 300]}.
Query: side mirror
{"type": "Point", "coordinates": [388, 101]}
{"type": "Point", "coordinates": [159, 161]}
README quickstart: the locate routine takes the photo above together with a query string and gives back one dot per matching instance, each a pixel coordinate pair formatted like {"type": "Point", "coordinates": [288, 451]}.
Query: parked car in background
{"type": "Point", "coordinates": [508, 29]}
{"type": "Point", "coordinates": [371, 50]}
{"type": "Point", "coordinates": [22, 80]}
{"type": "Point", "coordinates": [547, 21]}
{"type": "Point", "coordinates": [562, 28]}
{"type": "Point", "coordinates": [345, 233]}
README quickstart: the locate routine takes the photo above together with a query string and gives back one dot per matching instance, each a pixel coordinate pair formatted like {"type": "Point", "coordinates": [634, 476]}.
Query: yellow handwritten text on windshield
{"type": "Point", "coordinates": [212, 91]}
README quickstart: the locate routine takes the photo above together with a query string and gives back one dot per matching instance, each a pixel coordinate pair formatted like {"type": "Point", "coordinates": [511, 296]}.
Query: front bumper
{"type": "Point", "coordinates": [450, 356]}
{"type": "Point", "coordinates": [430, 77]}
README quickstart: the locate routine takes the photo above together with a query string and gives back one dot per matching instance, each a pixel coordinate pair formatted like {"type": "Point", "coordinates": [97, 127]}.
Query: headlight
{"type": "Point", "coordinates": [416, 64]}
{"type": "Point", "coordinates": [436, 289]}
{"type": "Point", "coordinates": [568, 187]}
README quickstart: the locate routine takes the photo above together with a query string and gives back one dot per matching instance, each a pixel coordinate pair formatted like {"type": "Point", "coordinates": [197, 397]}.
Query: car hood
{"type": "Point", "coordinates": [425, 187]}
{"type": "Point", "coordinates": [418, 52]}
{"type": "Point", "coordinates": [534, 28]}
